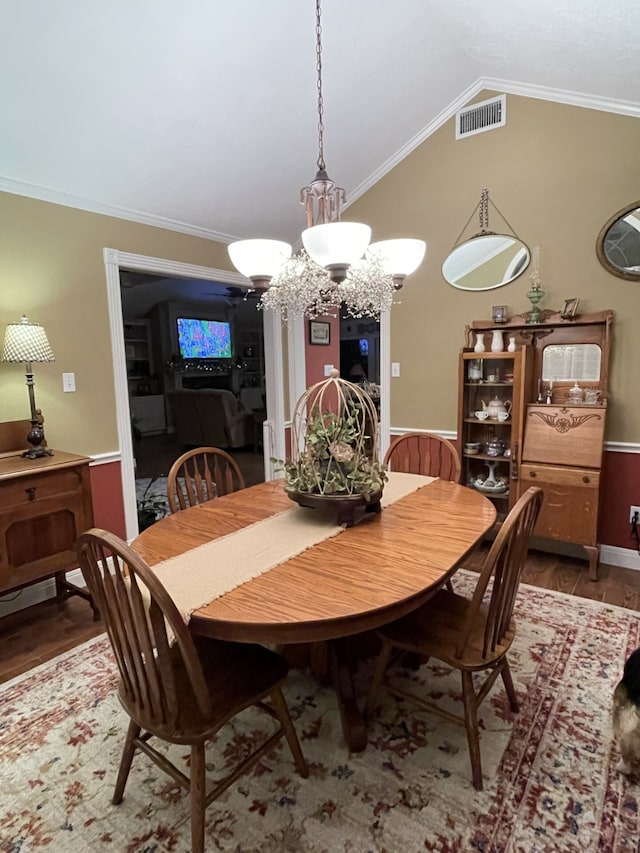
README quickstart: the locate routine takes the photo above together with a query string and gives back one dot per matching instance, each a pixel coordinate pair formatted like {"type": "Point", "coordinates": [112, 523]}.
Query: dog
{"type": "Point", "coordinates": [626, 715]}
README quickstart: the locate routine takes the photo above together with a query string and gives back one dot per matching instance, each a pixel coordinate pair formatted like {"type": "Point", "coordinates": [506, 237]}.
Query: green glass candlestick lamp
{"type": "Point", "coordinates": [536, 294]}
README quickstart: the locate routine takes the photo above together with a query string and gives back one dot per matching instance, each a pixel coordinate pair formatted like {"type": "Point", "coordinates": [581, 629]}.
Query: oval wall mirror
{"type": "Point", "coordinates": [618, 244]}
{"type": "Point", "coordinates": [486, 261]}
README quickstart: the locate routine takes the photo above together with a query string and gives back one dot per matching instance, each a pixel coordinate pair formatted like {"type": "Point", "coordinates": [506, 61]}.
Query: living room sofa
{"type": "Point", "coordinates": [209, 417]}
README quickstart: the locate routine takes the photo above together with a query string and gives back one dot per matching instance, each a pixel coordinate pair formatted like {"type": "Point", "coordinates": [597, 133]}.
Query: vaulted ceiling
{"type": "Point", "coordinates": [201, 115]}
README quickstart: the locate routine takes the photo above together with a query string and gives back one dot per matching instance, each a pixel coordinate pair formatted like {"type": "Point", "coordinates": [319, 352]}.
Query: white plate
{"type": "Point", "coordinates": [500, 487]}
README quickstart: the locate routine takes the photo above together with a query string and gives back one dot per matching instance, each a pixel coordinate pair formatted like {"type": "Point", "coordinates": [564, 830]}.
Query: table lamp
{"type": "Point", "coordinates": [27, 342]}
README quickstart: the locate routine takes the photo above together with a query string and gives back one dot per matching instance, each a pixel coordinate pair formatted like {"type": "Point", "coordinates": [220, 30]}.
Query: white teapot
{"type": "Point", "coordinates": [497, 406]}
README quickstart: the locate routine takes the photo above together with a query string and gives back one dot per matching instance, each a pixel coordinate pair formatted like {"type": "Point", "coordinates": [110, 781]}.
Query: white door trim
{"type": "Point", "coordinates": [114, 260]}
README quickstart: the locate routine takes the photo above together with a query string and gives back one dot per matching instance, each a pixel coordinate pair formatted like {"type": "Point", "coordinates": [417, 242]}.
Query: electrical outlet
{"type": "Point", "coordinates": [632, 511]}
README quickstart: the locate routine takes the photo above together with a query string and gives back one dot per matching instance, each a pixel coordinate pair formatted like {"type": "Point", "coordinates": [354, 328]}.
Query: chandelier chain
{"type": "Point", "coordinates": [484, 210]}
{"type": "Point", "coordinates": [321, 163]}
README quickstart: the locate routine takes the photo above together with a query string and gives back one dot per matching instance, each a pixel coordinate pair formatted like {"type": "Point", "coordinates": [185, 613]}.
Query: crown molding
{"type": "Point", "coordinates": [510, 87]}
{"type": "Point", "coordinates": [560, 96]}
{"type": "Point", "coordinates": [563, 96]}
{"type": "Point", "coordinates": [415, 141]}
{"type": "Point", "coordinates": [8, 185]}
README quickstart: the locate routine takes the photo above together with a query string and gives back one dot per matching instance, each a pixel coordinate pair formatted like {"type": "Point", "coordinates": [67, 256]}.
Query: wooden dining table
{"type": "Point", "coordinates": [366, 576]}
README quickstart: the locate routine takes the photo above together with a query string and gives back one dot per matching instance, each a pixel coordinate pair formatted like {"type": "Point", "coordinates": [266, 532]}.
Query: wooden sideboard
{"type": "Point", "coordinates": [45, 504]}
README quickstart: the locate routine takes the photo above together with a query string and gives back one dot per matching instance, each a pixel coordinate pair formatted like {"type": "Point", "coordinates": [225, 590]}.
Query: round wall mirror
{"type": "Point", "coordinates": [486, 261]}
{"type": "Point", "coordinates": [618, 244]}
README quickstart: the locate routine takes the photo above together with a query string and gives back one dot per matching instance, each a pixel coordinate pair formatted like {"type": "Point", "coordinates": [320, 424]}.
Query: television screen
{"type": "Point", "coordinates": [204, 338]}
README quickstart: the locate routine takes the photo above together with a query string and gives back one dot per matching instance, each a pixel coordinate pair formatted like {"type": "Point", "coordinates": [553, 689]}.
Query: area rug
{"type": "Point", "coordinates": [549, 773]}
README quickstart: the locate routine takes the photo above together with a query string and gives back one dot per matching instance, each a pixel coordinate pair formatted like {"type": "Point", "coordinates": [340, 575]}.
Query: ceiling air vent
{"type": "Point", "coordinates": [485, 115]}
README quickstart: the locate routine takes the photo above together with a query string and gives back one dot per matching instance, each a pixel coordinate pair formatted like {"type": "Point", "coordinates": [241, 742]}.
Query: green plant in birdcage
{"type": "Point", "coordinates": [334, 443]}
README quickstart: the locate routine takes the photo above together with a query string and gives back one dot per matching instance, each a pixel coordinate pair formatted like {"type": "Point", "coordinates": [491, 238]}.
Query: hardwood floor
{"type": "Point", "coordinates": [37, 634]}
{"type": "Point", "coordinates": [155, 454]}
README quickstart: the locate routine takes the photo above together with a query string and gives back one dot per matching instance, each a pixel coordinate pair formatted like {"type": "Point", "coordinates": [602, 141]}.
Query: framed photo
{"type": "Point", "coordinates": [569, 309]}
{"type": "Point", "coordinates": [319, 332]}
{"type": "Point", "coordinates": [499, 314]}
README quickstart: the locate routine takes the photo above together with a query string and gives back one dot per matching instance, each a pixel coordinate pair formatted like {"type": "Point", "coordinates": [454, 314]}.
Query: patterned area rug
{"type": "Point", "coordinates": [550, 778]}
{"type": "Point", "coordinates": [151, 498]}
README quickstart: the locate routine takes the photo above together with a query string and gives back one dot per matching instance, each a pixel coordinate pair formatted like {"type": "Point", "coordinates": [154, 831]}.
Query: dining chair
{"type": "Point", "coordinates": [424, 453]}
{"type": "Point", "coordinates": [469, 634]}
{"type": "Point", "coordinates": [174, 686]}
{"type": "Point", "coordinates": [200, 475]}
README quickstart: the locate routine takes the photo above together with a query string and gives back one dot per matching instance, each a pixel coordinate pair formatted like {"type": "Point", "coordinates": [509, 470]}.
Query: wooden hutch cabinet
{"type": "Point", "coordinates": [45, 504]}
{"type": "Point", "coordinates": [558, 421]}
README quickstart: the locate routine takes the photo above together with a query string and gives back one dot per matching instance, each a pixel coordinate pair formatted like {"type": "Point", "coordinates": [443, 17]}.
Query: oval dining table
{"type": "Point", "coordinates": [364, 577]}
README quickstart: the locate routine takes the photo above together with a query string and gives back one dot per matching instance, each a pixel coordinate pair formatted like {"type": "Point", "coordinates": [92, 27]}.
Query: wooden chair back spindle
{"type": "Point", "coordinates": [424, 453]}
{"type": "Point", "coordinates": [200, 475]}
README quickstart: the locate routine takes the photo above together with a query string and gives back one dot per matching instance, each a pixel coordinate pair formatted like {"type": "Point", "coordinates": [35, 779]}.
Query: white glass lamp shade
{"type": "Point", "coordinates": [336, 245]}
{"type": "Point", "coordinates": [258, 260]}
{"type": "Point", "coordinates": [399, 257]}
{"type": "Point", "coordinates": [26, 342]}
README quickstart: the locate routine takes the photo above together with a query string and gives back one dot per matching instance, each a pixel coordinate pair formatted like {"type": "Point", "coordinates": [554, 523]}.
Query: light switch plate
{"type": "Point", "coordinates": [395, 368]}
{"type": "Point", "coordinates": [68, 382]}
{"type": "Point", "coordinates": [327, 369]}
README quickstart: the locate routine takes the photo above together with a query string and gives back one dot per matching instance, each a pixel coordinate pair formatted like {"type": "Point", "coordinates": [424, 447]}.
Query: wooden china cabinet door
{"type": "Point", "coordinates": [493, 391]}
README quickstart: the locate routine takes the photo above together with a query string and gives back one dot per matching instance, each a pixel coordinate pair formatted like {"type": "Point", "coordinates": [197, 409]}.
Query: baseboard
{"type": "Point", "coordinates": [625, 558]}
{"type": "Point", "coordinates": [36, 593]}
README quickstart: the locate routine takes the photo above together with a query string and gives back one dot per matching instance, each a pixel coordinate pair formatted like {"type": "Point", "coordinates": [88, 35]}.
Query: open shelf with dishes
{"type": "Point", "coordinates": [492, 397]}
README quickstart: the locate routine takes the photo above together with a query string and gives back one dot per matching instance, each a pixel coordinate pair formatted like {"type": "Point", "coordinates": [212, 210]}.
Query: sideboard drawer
{"type": "Point", "coordinates": [570, 508]}
{"type": "Point", "coordinates": [534, 475]}
{"type": "Point", "coordinates": [25, 490]}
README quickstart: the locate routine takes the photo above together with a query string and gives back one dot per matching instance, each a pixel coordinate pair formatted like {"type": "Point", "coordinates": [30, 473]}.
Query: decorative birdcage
{"type": "Point", "coordinates": [334, 450]}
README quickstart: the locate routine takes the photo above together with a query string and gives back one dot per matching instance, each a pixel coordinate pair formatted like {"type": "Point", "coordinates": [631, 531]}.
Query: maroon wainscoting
{"type": "Point", "coordinates": [106, 491]}
{"type": "Point", "coordinates": [620, 489]}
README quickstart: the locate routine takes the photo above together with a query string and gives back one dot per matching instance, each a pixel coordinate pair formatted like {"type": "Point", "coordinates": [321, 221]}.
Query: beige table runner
{"type": "Point", "coordinates": [197, 577]}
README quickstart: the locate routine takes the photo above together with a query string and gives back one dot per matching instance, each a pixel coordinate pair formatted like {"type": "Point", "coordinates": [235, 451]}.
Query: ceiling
{"type": "Point", "coordinates": [201, 115]}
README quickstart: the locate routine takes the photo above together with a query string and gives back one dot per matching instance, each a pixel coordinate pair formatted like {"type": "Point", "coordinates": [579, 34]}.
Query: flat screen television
{"type": "Point", "coordinates": [204, 338]}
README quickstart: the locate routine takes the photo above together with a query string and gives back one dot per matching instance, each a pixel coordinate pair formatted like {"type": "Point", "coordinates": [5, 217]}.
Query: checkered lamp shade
{"type": "Point", "coordinates": [25, 341]}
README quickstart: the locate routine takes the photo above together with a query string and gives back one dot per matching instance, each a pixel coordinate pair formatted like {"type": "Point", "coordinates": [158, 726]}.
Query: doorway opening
{"type": "Point", "coordinates": [183, 335]}
{"type": "Point", "coordinates": [273, 427]}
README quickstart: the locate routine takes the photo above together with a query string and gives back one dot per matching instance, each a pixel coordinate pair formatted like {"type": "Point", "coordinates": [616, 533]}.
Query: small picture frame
{"type": "Point", "coordinates": [569, 308]}
{"type": "Point", "coordinates": [499, 314]}
{"type": "Point", "coordinates": [319, 333]}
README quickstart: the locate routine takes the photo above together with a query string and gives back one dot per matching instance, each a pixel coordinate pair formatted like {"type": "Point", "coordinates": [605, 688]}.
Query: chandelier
{"type": "Point", "coordinates": [338, 268]}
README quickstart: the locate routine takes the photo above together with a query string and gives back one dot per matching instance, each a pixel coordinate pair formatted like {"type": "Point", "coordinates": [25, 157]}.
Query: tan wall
{"type": "Point", "coordinates": [556, 173]}
{"type": "Point", "coordinates": [52, 269]}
